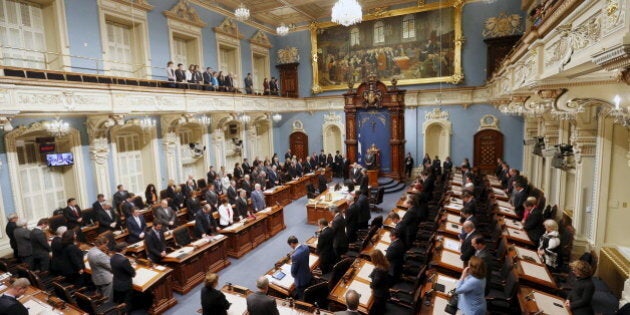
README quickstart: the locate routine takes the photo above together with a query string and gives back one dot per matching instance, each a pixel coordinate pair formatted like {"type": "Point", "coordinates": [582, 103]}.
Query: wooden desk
{"type": "Point", "coordinates": [450, 217]}
{"type": "Point", "coordinates": [518, 236]}
{"type": "Point", "coordinates": [538, 302]}
{"type": "Point", "coordinates": [36, 301]}
{"type": "Point", "coordinates": [525, 254]}
{"type": "Point", "coordinates": [450, 228]}
{"type": "Point", "coordinates": [509, 222]}
{"type": "Point", "coordinates": [155, 279]}
{"type": "Point", "coordinates": [448, 261]}
{"type": "Point", "coordinates": [243, 237]}
{"type": "Point", "coordinates": [453, 207]}
{"type": "Point", "coordinates": [238, 302]}
{"type": "Point", "coordinates": [401, 204]}
{"type": "Point", "coordinates": [278, 195]}
{"type": "Point", "coordinates": [452, 244]}
{"type": "Point", "coordinates": [297, 187]}
{"type": "Point", "coordinates": [436, 306]}
{"type": "Point", "coordinates": [382, 241]}
{"type": "Point", "coordinates": [356, 278]}
{"type": "Point", "coordinates": [435, 281]}
{"type": "Point", "coordinates": [191, 262]}
{"type": "Point", "coordinates": [535, 274]}
{"type": "Point", "coordinates": [319, 208]}
{"type": "Point", "coordinates": [275, 220]}
{"type": "Point", "coordinates": [90, 232]}
{"type": "Point", "coordinates": [138, 247]}
{"type": "Point", "coordinates": [284, 287]}
{"type": "Point", "coordinates": [388, 222]}
{"type": "Point", "coordinates": [500, 194]}
{"type": "Point", "coordinates": [507, 212]}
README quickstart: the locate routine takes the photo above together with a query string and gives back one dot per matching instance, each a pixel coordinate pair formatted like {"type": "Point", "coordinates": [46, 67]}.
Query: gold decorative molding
{"type": "Point", "coordinates": [229, 28]}
{"type": "Point", "coordinates": [185, 13]}
{"type": "Point", "coordinates": [502, 25]}
{"type": "Point", "coordinates": [140, 4]}
{"type": "Point", "coordinates": [260, 39]}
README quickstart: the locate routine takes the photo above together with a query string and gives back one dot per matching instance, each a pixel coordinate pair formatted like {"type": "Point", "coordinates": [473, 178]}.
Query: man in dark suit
{"type": "Point", "coordinates": [340, 242]}
{"type": "Point", "coordinates": [338, 164]}
{"type": "Point", "coordinates": [428, 183]}
{"type": "Point", "coordinates": [247, 169]}
{"type": "Point", "coordinates": [165, 214]}
{"type": "Point", "coordinates": [98, 204]}
{"type": "Point", "coordinates": [246, 185]}
{"type": "Point", "coordinates": [211, 197]}
{"type": "Point", "coordinates": [395, 254]}
{"type": "Point", "coordinates": [356, 174]}
{"type": "Point", "coordinates": [352, 303]}
{"type": "Point", "coordinates": [322, 183]}
{"type": "Point", "coordinates": [300, 269]}
{"type": "Point", "coordinates": [72, 213]}
{"type": "Point", "coordinates": [11, 225]}
{"type": "Point", "coordinates": [242, 209]}
{"type": "Point", "coordinates": [272, 176]}
{"type": "Point", "coordinates": [479, 244]}
{"type": "Point", "coordinates": [180, 73]}
{"type": "Point", "coordinates": [205, 224]}
{"type": "Point", "coordinates": [321, 159]}
{"type": "Point", "coordinates": [154, 243]}
{"type": "Point", "coordinates": [312, 162]}
{"type": "Point", "coordinates": [352, 219]}
{"type": "Point", "coordinates": [23, 239]}
{"type": "Point", "coordinates": [123, 276]}
{"type": "Point", "coordinates": [40, 246]}
{"type": "Point", "coordinates": [408, 225]}
{"type": "Point", "coordinates": [8, 301]}
{"type": "Point", "coordinates": [533, 225]}
{"type": "Point", "coordinates": [287, 155]}
{"type": "Point", "coordinates": [107, 218]}
{"type": "Point", "coordinates": [258, 199]}
{"type": "Point", "coordinates": [212, 175]}
{"type": "Point", "coordinates": [467, 249]}
{"type": "Point", "coordinates": [299, 170]}
{"type": "Point", "coordinates": [207, 79]}
{"type": "Point", "coordinates": [232, 194]}
{"type": "Point", "coordinates": [126, 206]}
{"type": "Point", "coordinates": [519, 195]}
{"type": "Point", "coordinates": [325, 246]}
{"type": "Point", "coordinates": [120, 195]}
{"type": "Point", "coordinates": [136, 226]}
{"type": "Point", "coordinates": [470, 205]}
{"type": "Point", "coordinates": [258, 303]}
{"type": "Point", "coordinates": [364, 209]}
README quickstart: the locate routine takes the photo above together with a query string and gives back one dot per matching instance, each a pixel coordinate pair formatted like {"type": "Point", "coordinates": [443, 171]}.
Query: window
{"type": "Point", "coordinates": [379, 32]}
{"type": "Point", "coordinates": [409, 27]}
{"type": "Point", "coordinates": [228, 60]}
{"type": "Point", "coordinates": [180, 51]}
{"type": "Point", "coordinates": [42, 187]}
{"type": "Point", "coordinates": [354, 36]}
{"type": "Point", "coordinates": [130, 161]}
{"type": "Point", "coordinates": [119, 48]}
{"type": "Point", "coordinates": [22, 34]}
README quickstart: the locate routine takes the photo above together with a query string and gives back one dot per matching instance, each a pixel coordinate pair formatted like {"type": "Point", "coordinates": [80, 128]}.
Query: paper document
{"type": "Point", "coordinates": [143, 276]}
{"type": "Point", "coordinates": [452, 244]}
{"type": "Point", "coordinates": [366, 271]}
{"type": "Point", "coordinates": [181, 251]}
{"type": "Point", "coordinates": [382, 246]}
{"type": "Point", "coordinates": [363, 289]}
{"type": "Point", "coordinates": [549, 304]}
{"type": "Point", "coordinates": [448, 282]}
{"type": "Point", "coordinates": [452, 259]}
{"type": "Point", "coordinates": [239, 304]}
{"type": "Point", "coordinates": [535, 271]}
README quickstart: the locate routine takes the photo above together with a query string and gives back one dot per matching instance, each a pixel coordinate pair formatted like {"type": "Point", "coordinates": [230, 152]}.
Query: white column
{"type": "Point", "coordinates": [584, 145]}
{"type": "Point", "coordinates": [170, 142]}
{"type": "Point", "coordinates": [218, 147]}
{"type": "Point", "coordinates": [99, 153]}
{"type": "Point", "coordinates": [550, 174]}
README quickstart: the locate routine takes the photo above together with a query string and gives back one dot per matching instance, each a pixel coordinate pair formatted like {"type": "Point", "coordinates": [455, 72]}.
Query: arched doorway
{"type": "Point", "coordinates": [298, 142]}
{"type": "Point", "coordinates": [488, 147]}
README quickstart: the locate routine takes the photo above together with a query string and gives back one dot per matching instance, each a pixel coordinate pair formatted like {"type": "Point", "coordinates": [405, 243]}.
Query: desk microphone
{"type": "Point", "coordinates": [530, 296]}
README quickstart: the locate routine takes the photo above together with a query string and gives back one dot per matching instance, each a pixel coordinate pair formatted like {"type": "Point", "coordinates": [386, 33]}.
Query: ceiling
{"type": "Point", "coordinates": [274, 12]}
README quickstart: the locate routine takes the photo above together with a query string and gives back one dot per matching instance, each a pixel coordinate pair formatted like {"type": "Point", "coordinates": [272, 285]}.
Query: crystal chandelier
{"type": "Point", "coordinates": [241, 13]}
{"type": "Point", "coordinates": [620, 115]}
{"type": "Point", "coordinates": [512, 109]}
{"type": "Point", "coordinates": [147, 123]}
{"type": "Point", "coordinates": [574, 108]}
{"type": "Point", "coordinates": [276, 117]}
{"type": "Point", "coordinates": [282, 30]}
{"type": "Point", "coordinates": [57, 127]}
{"type": "Point", "coordinates": [346, 12]}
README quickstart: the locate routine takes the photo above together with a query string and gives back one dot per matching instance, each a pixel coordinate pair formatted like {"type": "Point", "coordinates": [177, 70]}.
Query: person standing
{"type": "Point", "coordinates": [249, 84]}
{"type": "Point", "coordinates": [470, 288]}
{"type": "Point", "coordinates": [380, 282]}
{"type": "Point", "coordinates": [258, 199]}
{"type": "Point", "coordinates": [338, 225]}
{"type": "Point", "coordinates": [40, 247]}
{"type": "Point", "coordinates": [101, 267]}
{"type": "Point", "coordinates": [72, 266]}
{"type": "Point", "coordinates": [9, 303]}
{"type": "Point", "coordinates": [23, 239]}
{"type": "Point", "coordinates": [213, 301]}
{"type": "Point", "coordinates": [408, 164]}
{"type": "Point", "coordinates": [324, 246]}
{"type": "Point", "coordinates": [258, 303]}
{"type": "Point", "coordinates": [11, 225]}
{"type": "Point", "coordinates": [300, 269]}
{"type": "Point", "coordinates": [352, 303]}
{"type": "Point", "coordinates": [123, 274]}
{"type": "Point", "coordinates": [581, 295]}
{"type": "Point", "coordinates": [154, 243]}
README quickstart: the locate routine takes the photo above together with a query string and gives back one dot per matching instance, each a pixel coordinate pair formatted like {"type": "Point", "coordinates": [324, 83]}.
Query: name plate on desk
{"type": "Point", "coordinates": [452, 244]}
{"type": "Point", "coordinates": [181, 252]}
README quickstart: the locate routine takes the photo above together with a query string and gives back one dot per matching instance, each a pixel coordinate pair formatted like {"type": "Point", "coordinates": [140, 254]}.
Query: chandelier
{"type": "Point", "coordinates": [241, 13]}
{"type": "Point", "coordinates": [346, 12]}
{"type": "Point", "coordinates": [147, 123]}
{"type": "Point", "coordinates": [282, 30]}
{"type": "Point", "coordinates": [276, 117]}
{"type": "Point", "coordinates": [57, 127]}
{"type": "Point", "coordinates": [575, 107]}
{"type": "Point", "coordinates": [620, 115]}
{"type": "Point", "coordinates": [512, 109]}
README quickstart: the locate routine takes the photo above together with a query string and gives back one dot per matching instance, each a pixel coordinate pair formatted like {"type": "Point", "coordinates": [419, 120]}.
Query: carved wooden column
{"type": "Point", "coordinates": [351, 128]}
{"type": "Point", "coordinates": [398, 133]}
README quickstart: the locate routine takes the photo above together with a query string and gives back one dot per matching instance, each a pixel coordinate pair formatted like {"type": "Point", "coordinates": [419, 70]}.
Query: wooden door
{"type": "Point", "coordinates": [288, 79]}
{"type": "Point", "coordinates": [488, 147]}
{"type": "Point", "coordinates": [298, 142]}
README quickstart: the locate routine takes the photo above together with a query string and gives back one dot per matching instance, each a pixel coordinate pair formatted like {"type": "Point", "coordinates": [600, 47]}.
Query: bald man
{"type": "Point", "coordinates": [352, 303]}
{"type": "Point", "coordinates": [469, 233]}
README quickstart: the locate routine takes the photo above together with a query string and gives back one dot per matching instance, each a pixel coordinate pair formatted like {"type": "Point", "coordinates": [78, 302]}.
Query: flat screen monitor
{"type": "Point", "coordinates": [59, 159]}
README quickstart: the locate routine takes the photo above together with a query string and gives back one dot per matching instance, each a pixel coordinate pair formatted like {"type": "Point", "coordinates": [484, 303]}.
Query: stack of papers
{"type": "Point", "coordinates": [181, 251]}
{"type": "Point", "coordinates": [143, 275]}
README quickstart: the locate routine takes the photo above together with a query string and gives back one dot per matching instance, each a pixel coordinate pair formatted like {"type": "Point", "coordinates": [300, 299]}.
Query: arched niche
{"type": "Point", "coordinates": [298, 140]}
{"type": "Point", "coordinates": [135, 156]}
{"type": "Point", "coordinates": [37, 188]}
{"type": "Point", "coordinates": [437, 130]}
{"type": "Point", "coordinates": [227, 142]}
{"type": "Point", "coordinates": [260, 139]}
{"type": "Point", "coordinates": [179, 131]}
{"type": "Point", "coordinates": [333, 133]}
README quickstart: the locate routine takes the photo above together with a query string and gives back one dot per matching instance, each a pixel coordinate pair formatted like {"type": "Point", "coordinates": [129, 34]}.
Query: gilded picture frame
{"type": "Point", "coordinates": [416, 45]}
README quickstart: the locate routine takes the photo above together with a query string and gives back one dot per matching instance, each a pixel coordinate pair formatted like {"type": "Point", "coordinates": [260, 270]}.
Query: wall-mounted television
{"type": "Point", "coordinates": [60, 159]}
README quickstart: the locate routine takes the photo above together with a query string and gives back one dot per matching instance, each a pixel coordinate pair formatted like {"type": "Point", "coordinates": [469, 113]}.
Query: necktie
{"type": "Point", "coordinates": [75, 211]}
{"type": "Point", "coordinates": [229, 213]}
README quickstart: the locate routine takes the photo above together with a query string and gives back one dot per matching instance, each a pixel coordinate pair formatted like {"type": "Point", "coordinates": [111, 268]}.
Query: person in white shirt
{"type": "Point", "coordinates": [226, 214]}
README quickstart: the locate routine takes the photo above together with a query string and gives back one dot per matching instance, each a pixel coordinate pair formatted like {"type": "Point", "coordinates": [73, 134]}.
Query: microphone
{"type": "Point", "coordinates": [530, 296]}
